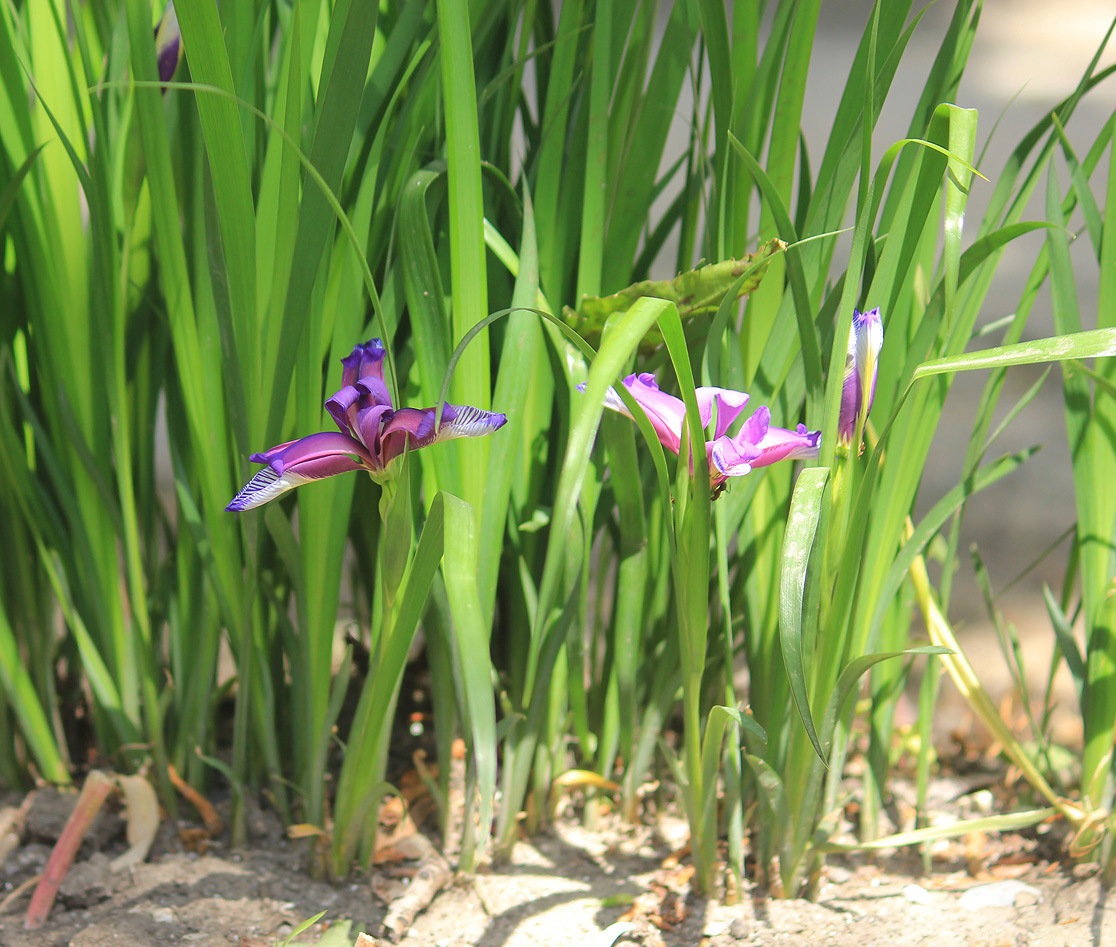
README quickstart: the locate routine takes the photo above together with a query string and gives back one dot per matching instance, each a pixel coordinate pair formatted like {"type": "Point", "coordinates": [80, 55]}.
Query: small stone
{"type": "Point", "coordinates": [163, 916]}
{"type": "Point", "coordinates": [50, 810]}
{"type": "Point", "coordinates": [998, 894]}
{"type": "Point", "coordinates": [713, 928]}
{"type": "Point", "coordinates": [30, 859]}
{"type": "Point", "coordinates": [48, 813]}
{"type": "Point", "coordinates": [917, 895]}
{"type": "Point", "coordinates": [983, 801]}
{"type": "Point", "coordinates": [837, 875]}
{"type": "Point", "coordinates": [741, 929]}
{"type": "Point", "coordinates": [264, 825]}
{"type": "Point", "coordinates": [87, 883]}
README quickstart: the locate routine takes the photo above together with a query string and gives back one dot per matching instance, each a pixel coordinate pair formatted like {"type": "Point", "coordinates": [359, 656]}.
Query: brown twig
{"type": "Point", "coordinates": [18, 891]}
{"type": "Point", "coordinates": [93, 795]}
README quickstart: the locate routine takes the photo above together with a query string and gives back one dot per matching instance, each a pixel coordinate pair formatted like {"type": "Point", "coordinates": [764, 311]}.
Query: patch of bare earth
{"type": "Point", "coordinates": [565, 889]}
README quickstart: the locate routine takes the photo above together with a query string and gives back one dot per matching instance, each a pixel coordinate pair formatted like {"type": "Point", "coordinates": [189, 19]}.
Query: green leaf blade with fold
{"type": "Point", "coordinates": [696, 293]}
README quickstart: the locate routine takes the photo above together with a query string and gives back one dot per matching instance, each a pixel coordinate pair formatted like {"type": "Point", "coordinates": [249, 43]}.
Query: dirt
{"type": "Point", "coordinates": [568, 887]}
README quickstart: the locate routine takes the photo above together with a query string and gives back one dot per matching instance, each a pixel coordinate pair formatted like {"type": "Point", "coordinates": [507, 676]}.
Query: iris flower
{"type": "Point", "coordinates": [168, 43]}
{"type": "Point", "coordinates": [372, 433]}
{"type": "Point", "coordinates": [861, 363]}
{"type": "Point", "coordinates": [756, 444]}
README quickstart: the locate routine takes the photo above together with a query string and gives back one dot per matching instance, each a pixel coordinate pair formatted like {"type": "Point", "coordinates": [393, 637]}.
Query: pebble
{"type": "Point", "coordinates": [917, 895]}
{"type": "Point", "coordinates": [983, 801]}
{"type": "Point", "coordinates": [163, 916]}
{"type": "Point", "coordinates": [999, 894]}
{"type": "Point", "coordinates": [837, 875]}
{"type": "Point", "coordinates": [740, 928]}
{"type": "Point", "coordinates": [87, 883]}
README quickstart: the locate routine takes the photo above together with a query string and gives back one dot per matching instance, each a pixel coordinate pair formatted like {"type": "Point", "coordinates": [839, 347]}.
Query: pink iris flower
{"type": "Point", "coordinates": [756, 444]}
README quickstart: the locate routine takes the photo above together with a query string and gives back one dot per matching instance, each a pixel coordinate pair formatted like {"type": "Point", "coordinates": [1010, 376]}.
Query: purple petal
{"type": "Point", "coordinates": [736, 456]}
{"type": "Point", "coordinates": [861, 364]}
{"type": "Point", "coordinates": [374, 388]}
{"type": "Point", "coordinates": [297, 462]}
{"type": "Point", "coordinates": [731, 459]}
{"type": "Point", "coordinates": [341, 408]}
{"type": "Point", "coordinates": [366, 359]}
{"type": "Point", "coordinates": [416, 426]}
{"type": "Point", "coordinates": [368, 427]}
{"type": "Point", "coordinates": [729, 405]}
{"type": "Point", "coordinates": [665, 412]}
{"type": "Point", "coordinates": [168, 43]}
{"type": "Point", "coordinates": [850, 394]}
{"type": "Point", "coordinates": [869, 341]}
{"type": "Point", "coordinates": [780, 444]}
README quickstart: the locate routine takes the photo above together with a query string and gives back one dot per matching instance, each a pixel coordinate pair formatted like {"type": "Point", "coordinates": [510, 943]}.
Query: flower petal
{"type": "Point", "coordinates": [417, 426]}
{"type": "Point", "coordinates": [665, 412]}
{"type": "Point", "coordinates": [861, 364]}
{"type": "Point", "coordinates": [612, 400]}
{"type": "Point", "coordinates": [297, 462]}
{"type": "Point", "coordinates": [366, 359]}
{"type": "Point", "coordinates": [168, 43]}
{"type": "Point", "coordinates": [368, 426]}
{"type": "Point", "coordinates": [373, 388]}
{"type": "Point", "coordinates": [729, 405]}
{"type": "Point", "coordinates": [340, 408]}
{"type": "Point", "coordinates": [730, 459]}
{"type": "Point", "coordinates": [736, 456]}
{"type": "Point", "coordinates": [869, 341]}
{"type": "Point", "coordinates": [780, 444]}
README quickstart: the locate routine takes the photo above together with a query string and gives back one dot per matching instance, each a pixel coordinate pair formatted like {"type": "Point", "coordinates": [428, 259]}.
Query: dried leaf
{"type": "Point", "coordinates": [143, 820]}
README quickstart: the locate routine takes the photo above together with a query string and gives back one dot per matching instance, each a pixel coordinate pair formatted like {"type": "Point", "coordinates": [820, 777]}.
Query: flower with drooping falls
{"type": "Point", "coordinates": [756, 444]}
{"type": "Point", "coordinates": [372, 433]}
{"type": "Point", "coordinates": [861, 365]}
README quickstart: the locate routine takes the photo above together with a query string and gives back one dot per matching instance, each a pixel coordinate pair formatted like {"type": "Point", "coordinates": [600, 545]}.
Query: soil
{"type": "Point", "coordinates": [570, 886]}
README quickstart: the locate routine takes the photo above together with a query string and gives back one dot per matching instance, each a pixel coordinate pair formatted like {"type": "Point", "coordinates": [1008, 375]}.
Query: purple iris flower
{"type": "Point", "coordinates": [372, 435]}
{"type": "Point", "coordinates": [756, 444]}
{"type": "Point", "coordinates": [861, 364]}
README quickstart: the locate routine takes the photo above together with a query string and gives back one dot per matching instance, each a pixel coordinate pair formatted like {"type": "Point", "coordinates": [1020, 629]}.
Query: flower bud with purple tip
{"type": "Point", "coordinates": [861, 365]}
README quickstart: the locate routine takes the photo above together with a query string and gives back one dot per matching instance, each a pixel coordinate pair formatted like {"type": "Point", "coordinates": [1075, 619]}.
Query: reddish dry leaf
{"type": "Point", "coordinates": [214, 825]}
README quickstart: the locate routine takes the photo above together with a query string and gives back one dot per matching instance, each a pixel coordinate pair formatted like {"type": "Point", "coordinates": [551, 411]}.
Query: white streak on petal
{"type": "Point", "coordinates": [612, 401]}
{"type": "Point", "coordinates": [263, 488]}
{"type": "Point", "coordinates": [470, 422]}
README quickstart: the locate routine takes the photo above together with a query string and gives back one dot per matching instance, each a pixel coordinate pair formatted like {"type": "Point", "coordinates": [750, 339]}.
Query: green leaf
{"type": "Point", "coordinates": [696, 293]}
{"type": "Point", "coordinates": [1095, 343]}
{"type": "Point", "coordinates": [798, 546]}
